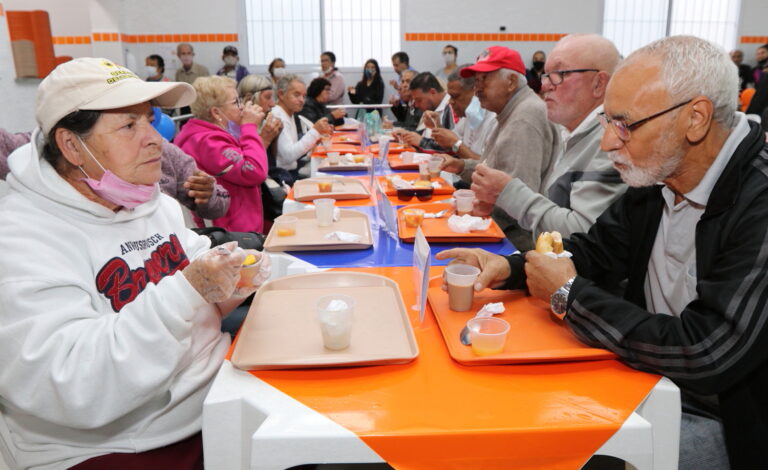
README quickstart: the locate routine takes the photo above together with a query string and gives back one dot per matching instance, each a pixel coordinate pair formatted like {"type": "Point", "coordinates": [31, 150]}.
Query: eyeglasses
{"type": "Point", "coordinates": [623, 129]}
{"type": "Point", "coordinates": [422, 194]}
{"type": "Point", "coordinates": [237, 102]}
{"type": "Point", "coordinates": [556, 77]}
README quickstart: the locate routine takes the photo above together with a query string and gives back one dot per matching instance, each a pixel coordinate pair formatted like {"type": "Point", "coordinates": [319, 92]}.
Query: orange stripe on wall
{"type": "Point", "coordinates": [144, 38]}
{"type": "Point", "coordinates": [754, 39]}
{"type": "Point", "coordinates": [500, 37]}
{"type": "Point", "coordinates": [2, 12]}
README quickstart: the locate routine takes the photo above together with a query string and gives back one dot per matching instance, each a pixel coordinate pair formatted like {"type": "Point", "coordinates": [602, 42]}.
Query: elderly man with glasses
{"type": "Point", "coordinates": [524, 144]}
{"type": "Point", "coordinates": [583, 182]}
{"type": "Point", "coordinates": [688, 243]}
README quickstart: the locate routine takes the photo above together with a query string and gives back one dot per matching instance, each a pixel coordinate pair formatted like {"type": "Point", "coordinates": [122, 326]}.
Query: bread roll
{"type": "Point", "coordinates": [557, 242]}
{"type": "Point", "coordinates": [545, 243]}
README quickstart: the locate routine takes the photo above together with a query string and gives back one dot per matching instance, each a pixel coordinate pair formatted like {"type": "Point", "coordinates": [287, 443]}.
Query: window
{"type": "Point", "coordinates": [631, 24]}
{"type": "Point", "coordinates": [299, 30]}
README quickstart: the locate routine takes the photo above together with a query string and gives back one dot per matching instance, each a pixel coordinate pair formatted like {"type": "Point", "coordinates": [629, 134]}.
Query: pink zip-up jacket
{"type": "Point", "coordinates": [238, 165]}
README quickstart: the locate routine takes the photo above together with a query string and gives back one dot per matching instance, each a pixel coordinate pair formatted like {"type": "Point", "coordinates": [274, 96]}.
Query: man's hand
{"type": "Point", "coordinates": [394, 100]}
{"type": "Point", "coordinates": [407, 137]}
{"type": "Point", "coordinates": [351, 90]}
{"type": "Point", "coordinates": [445, 138]}
{"type": "Point", "coordinates": [452, 164]}
{"type": "Point", "coordinates": [494, 269]}
{"type": "Point", "coordinates": [322, 126]}
{"type": "Point", "coordinates": [547, 274]}
{"type": "Point", "coordinates": [338, 113]}
{"type": "Point", "coordinates": [431, 119]}
{"type": "Point", "coordinates": [488, 183]}
{"type": "Point", "coordinates": [394, 84]}
{"type": "Point", "coordinates": [200, 185]}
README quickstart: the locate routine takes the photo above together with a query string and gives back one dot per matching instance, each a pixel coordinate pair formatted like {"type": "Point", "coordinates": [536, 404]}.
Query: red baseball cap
{"type": "Point", "coordinates": [495, 58]}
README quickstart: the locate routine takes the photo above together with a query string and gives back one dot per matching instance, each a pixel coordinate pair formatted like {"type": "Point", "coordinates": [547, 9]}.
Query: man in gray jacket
{"type": "Point", "coordinates": [524, 144]}
{"type": "Point", "coordinates": [583, 182]}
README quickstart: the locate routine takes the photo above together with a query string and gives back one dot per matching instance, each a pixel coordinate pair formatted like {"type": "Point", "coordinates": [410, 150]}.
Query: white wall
{"type": "Point", "coordinates": [84, 17]}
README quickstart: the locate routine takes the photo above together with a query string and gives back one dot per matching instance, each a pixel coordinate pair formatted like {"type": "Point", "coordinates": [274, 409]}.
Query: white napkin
{"type": "Point", "coordinates": [490, 309]}
{"type": "Point", "coordinates": [420, 157]}
{"type": "Point", "coordinates": [467, 223]}
{"type": "Point", "coordinates": [400, 183]}
{"type": "Point", "coordinates": [346, 237]}
{"type": "Point", "coordinates": [436, 185]}
{"type": "Point", "coordinates": [564, 254]}
{"type": "Point", "coordinates": [346, 159]}
{"type": "Point", "coordinates": [336, 214]}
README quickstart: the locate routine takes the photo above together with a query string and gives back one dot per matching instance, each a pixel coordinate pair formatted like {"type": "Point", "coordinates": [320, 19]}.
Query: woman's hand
{"type": "Point", "coordinates": [252, 114]}
{"type": "Point", "coordinates": [200, 186]}
{"type": "Point", "coordinates": [338, 113]}
{"type": "Point", "coordinates": [214, 275]}
{"type": "Point", "coordinates": [271, 130]}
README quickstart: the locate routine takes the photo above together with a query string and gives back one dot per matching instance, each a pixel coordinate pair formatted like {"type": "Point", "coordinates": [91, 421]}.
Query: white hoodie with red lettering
{"type": "Point", "coordinates": [104, 345]}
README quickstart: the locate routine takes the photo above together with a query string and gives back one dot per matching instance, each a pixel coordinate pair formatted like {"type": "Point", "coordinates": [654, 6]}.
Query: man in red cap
{"type": "Point", "coordinates": [524, 143]}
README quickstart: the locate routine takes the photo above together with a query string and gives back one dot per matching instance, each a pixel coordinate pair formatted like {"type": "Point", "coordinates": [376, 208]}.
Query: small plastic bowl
{"type": "Point", "coordinates": [413, 217]}
{"type": "Point", "coordinates": [488, 335]}
{"type": "Point", "coordinates": [285, 226]}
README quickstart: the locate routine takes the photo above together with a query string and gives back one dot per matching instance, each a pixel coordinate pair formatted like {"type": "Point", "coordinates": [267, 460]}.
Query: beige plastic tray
{"type": "Point", "coordinates": [343, 188]}
{"type": "Point", "coordinates": [281, 330]}
{"type": "Point", "coordinates": [325, 167]}
{"type": "Point", "coordinates": [310, 236]}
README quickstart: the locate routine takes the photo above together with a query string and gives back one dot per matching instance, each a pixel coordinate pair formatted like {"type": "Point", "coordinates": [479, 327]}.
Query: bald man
{"type": "Point", "coordinates": [583, 182]}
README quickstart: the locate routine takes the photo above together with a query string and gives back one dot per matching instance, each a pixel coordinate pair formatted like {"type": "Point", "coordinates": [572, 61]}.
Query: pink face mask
{"type": "Point", "coordinates": [116, 190]}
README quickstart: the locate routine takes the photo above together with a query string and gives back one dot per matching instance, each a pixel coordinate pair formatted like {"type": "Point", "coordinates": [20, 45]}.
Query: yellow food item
{"type": "Point", "coordinates": [422, 184]}
{"type": "Point", "coordinates": [285, 232]}
{"type": "Point", "coordinates": [249, 260]}
{"type": "Point", "coordinates": [550, 243]}
{"type": "Point", "coordinates": [483, 350]}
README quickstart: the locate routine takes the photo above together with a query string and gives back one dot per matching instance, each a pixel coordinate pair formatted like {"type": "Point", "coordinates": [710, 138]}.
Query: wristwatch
{"type": "Point", "coordinates": [456, 145]}
{"type": "Point", "coordinates": [559, 300]}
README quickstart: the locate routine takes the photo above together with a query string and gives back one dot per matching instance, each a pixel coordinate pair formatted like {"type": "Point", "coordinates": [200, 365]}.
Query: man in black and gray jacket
{"type": "Point", "coordinates": [687, 244]}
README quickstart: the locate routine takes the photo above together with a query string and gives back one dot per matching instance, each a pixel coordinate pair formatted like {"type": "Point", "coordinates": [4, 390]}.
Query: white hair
{"type": "Point", "coordinates": [692, 66]}
{"type": "Point", "coordinates": [521, 80]}
{"type": "Point", "coordinates": [285, 82]}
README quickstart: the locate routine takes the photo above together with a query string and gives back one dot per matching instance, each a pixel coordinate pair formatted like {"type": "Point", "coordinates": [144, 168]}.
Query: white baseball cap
{"type": "Point", "coordinates": [98, 84]}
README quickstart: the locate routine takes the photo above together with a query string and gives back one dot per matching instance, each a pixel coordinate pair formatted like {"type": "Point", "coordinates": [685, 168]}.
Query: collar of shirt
{"type": "Point", "coordinates": [585, 125]}
{"type": "Point", "coordinates": [700, 194]}
{"type": "Point", "coordinates": [443, 104]}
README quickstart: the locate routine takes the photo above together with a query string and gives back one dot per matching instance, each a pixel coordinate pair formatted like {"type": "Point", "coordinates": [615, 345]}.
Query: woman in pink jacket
{"type": "Point", "coordinates": [224, 141]}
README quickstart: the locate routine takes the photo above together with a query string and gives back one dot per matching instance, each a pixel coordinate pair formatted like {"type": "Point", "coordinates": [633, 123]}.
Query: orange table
{"type": "Point", "coordinates": [370, 201]}
{"type": "Point", "coordinates": [434, 413]}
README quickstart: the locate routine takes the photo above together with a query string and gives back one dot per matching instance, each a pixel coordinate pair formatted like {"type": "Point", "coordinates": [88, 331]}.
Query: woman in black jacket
{"type": "Point", "coordinates": [369, 90]}
{"type": "Point", "coordinates": [315, 106]}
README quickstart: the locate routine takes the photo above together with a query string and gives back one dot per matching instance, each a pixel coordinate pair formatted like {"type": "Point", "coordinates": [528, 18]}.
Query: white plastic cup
{"type": "Point", "coordinates": [335, 313]}
{"type": "Point", "coordinates": [461, 286]}
{"type": "Point", "coordinates": [465, 199]}
{"type": "Point", "coordinates": [333, 158]}
{"type": "Point", "coordinates": [424, 170]}
{"type": "Point", "coordinates": [407, 157]}
{"type": "Point", "coordinates": [324, 211]}
{"type": "Point", "coordinates": [434, 165]}
{"type": "Point", "coordinates": [327, 142]}
{"type": "Point", "coordinates": [488, 335]}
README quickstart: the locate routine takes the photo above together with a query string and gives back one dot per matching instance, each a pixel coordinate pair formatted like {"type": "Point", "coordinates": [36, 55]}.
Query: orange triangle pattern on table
{"type": "Point", "coordinates": [435, 414]}
{"type": "Point", "coordinates": [370, 201]}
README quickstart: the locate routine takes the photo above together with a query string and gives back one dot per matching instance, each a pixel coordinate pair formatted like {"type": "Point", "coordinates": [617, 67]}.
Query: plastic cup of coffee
{"type": "Point", "coordinates": [324, 211]}
{"type": "Point", "coordinates": [333, 158]}
{"type": "Point", "coordinates": [424, 170]}
{"type": "Point", "coordinates": [434, 165]}
{"type": "Point", "coordinates": [335, 313]}
{"type": "Point", "coordinates": [413, 217]}
{"type": "Point", "coordinates": [325, 185]}
{"type": "Point", "coordinates": [465, 199]}
{"type": "Point", "coordinates": [488, 335]}
{"type": "Point", "coordinates": [461, 286]}
{"type": "Point", "coordinates": [285, 226]}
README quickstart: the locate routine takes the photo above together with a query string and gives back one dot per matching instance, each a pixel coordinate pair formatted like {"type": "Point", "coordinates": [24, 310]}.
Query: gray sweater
{"type": "Point", "coordinates": [581, 185]}
{"type": "Point", "coordinates": [523, 145]}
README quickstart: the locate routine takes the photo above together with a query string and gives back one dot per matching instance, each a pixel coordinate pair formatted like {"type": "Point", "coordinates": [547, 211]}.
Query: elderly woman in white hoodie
{"type": "Point", "coordinates": [111, 308]}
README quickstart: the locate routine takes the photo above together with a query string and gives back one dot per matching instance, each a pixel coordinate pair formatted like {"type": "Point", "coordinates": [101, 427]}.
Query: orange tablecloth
{"type": "Point", "coordinates": [437, 414]}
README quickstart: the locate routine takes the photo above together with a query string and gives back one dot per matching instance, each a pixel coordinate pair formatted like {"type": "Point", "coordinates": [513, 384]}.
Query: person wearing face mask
{"type": "Point", "coordinates": [332, 74]}
{"type": "Point", "coordinates": [155, 68]}
{"type": "Point", "coordinates": [450, 54]}
{"type": "Point", "coordinates": [190, 70]}
{"type": "Point", "coordinates": [467, 139]}
{"type": "Point", "coordinates": [223, 139]}
{"type": "Point", "coordinates": [276, 70]}
{"type": "Point", "coordinates": [110, 321]}
{"type": "Point", "coordinates": [232, 67]}
{"type": "Point", "coordinates": [369, 90]}
{"type": "Point", "coordinates": [534, 73]}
